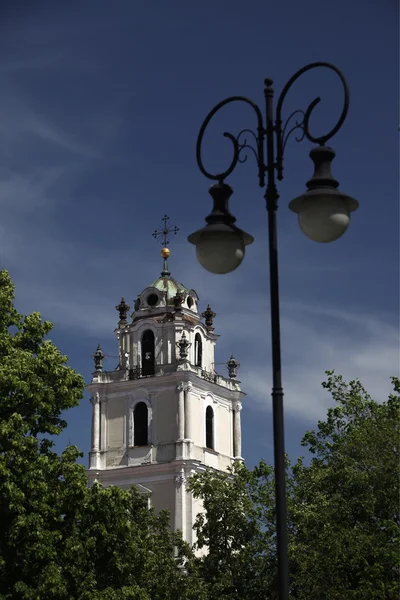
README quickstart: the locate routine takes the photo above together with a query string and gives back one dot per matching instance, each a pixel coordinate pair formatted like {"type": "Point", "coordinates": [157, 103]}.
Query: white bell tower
{"type": "Point", "coordinates": [164, 413]}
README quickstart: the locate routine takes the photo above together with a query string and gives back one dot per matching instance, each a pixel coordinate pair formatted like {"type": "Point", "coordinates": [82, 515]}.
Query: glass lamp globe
{"type": "Point", "coordinates": [220, 253]}
{"type": "Point", "coordinates": [323, 216]}
{"type": "Point", "coordinates": [220, 248]}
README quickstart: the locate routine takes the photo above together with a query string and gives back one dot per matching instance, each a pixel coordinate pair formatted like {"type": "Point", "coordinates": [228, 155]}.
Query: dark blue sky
{"type": "Point", "coordinates": [100, 107]}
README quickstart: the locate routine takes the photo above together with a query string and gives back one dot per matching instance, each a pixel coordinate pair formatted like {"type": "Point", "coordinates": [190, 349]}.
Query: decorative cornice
{"type": "Point", "coordinates": [169, 381]}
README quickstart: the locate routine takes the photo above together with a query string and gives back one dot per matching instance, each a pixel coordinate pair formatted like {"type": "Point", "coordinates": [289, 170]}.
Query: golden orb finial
{"type": "Point", "coordinates": [164, 233]}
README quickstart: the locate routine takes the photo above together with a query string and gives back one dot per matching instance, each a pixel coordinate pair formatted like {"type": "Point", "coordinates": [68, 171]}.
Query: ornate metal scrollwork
{"type": "Point", "coordinates": [273, 127]}
{"type": "Point", "coordinates": [244, 145]}
{"type": "Point", "coordinates": [283, 136]}
{"type": "Point", "coordinates": [299, 125]}
{"type": "Point", "coordinates": [237, 147]}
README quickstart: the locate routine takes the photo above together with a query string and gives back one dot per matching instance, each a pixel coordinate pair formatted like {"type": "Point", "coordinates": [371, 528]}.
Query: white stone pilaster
{"type": "Point", "coordinates": [237, 430]}
{"type": "Point", "coordinates": [95, 449]}
{"type": "Point", "coordinates": [95, 400]}
{"type": "Point", "coordinates": [120, 353]}
{"type": "Point", "coordinates": [123, 340]}
{"type": "Point", "coordinates": [103, 425]}
{"type": "Point", "coordinates": [188, 411]}
{"type": "Point", "coordinates": [180, 502]}
{"type": "Point", "coordinates": [181, 411]}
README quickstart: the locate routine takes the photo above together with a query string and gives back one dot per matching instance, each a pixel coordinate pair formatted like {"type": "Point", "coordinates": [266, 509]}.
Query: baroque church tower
{"type": "Point", "coordinates": [164, 413]}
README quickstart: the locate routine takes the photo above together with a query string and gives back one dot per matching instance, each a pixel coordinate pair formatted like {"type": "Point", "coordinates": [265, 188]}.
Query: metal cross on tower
{"type": "Point", "coordinates": [164, 232]}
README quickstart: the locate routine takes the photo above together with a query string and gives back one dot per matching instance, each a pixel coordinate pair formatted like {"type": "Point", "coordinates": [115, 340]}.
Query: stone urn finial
{"type": "Point", "coordinates": [183, 346]}
{"type": "Point", "coordinates": [233, 366]}
{"type": "Point", "coordinates": [209, 316]}
{"type": "Point", "coordinates": [98, 357]}
{"type": "Point", "coordinates": [123, 309]}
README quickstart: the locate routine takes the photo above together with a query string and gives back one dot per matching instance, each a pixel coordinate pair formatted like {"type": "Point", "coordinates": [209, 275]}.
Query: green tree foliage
{"type": "Point", "coordinates": [343, 510]}
{"type": "Point", "coordinates": [239, 559]}
{"type": "Point", "coordinates": [36, 386]}
{"type": "Point", "coordinates": [345, 504]}
{"type": "Point", "coordinates": [60, 539]}
{"type": "Point", "coordinates": [116, 548]}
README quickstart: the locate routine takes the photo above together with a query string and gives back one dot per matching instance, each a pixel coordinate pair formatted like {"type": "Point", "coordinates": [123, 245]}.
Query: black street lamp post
{"type": "Point", "coordinates": [323, 215]}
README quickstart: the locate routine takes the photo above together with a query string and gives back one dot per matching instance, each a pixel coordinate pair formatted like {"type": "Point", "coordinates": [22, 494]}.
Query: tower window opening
{"type": "Point", "coordinates": [198, 350]}
{"type": "Point", "coordinates": [140, 428]}
{"type": "Point", "coordinates": [152, 299]}
{"type": "Point", "coordinates": [148, 353]}
{"type": "Point", "coordinates": [210, 428]}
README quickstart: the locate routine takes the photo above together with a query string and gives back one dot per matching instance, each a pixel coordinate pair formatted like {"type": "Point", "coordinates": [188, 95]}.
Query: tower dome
{"type": "Point", "coordinates": [164, 294]}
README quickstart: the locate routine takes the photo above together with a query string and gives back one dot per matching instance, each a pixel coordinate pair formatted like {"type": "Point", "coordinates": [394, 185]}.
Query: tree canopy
{"type": "Point", "coordinates": [343, 510]}
{"type": "Point", "coordinates": [345, 504]}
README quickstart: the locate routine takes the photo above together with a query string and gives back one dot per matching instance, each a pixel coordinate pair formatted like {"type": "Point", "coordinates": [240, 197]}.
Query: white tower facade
{"type": "Point", "coordinates": [164, 413]}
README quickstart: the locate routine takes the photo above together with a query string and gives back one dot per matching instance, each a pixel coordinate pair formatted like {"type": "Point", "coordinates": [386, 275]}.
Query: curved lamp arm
{"type": "Point", "coordinates": [235, 141]}
{"type": "Point", "coordinates": [304, 125]}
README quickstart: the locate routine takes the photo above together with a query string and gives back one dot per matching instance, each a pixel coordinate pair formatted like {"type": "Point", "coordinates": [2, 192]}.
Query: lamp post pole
{"type": "Point", "coordinates": [324, 215]}
{"type": "Point", "coordinates": [271, 197]}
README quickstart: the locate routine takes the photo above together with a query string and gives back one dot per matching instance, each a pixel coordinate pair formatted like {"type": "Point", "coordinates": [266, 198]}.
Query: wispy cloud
{"type": "Point", "coordinates": [51, 134]}
{"type": "Point", "coordinates": [355, 345]}
{"type": "Point", "coordinates": [23, 128]}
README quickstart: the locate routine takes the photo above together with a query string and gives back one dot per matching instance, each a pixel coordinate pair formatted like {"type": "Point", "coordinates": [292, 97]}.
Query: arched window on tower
{"type": "Point", "coordinates": [209, 428]}
{"type": "Point", "coordinates": [140, 424]}
{"type": "Point", "coordinates": [198, 350]}
{"type": "Point", "coordinates": [148, 353]}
